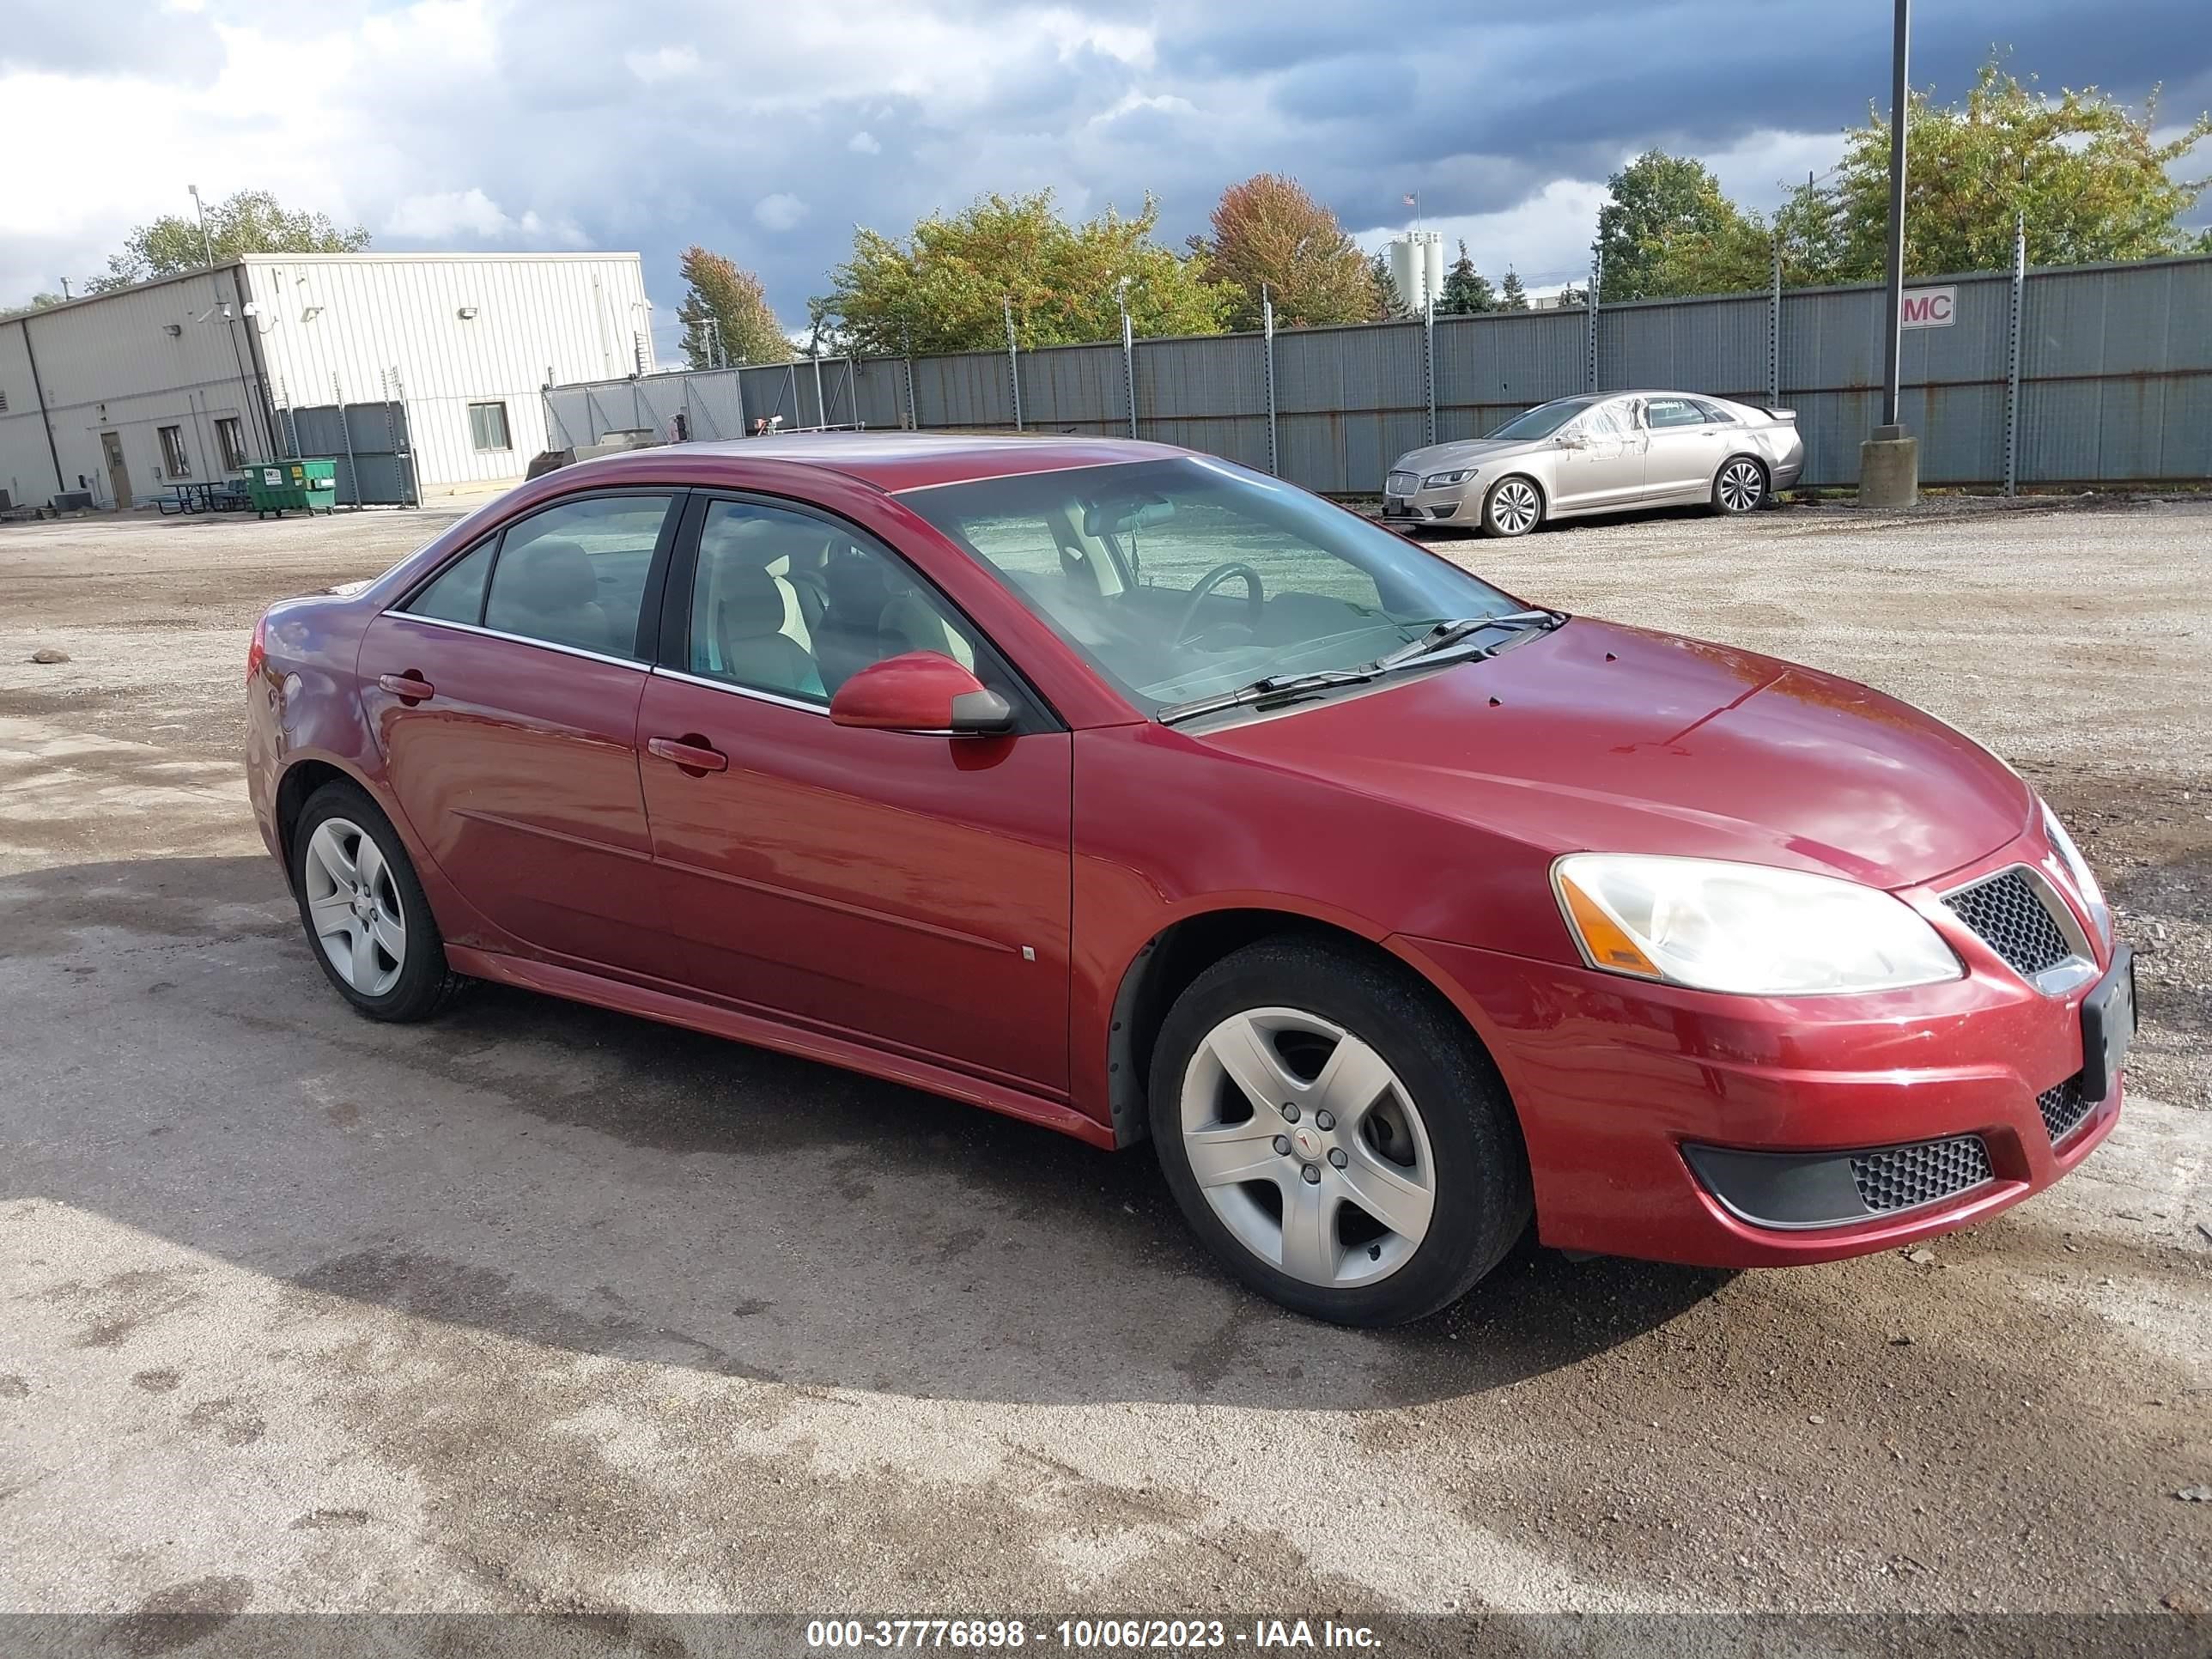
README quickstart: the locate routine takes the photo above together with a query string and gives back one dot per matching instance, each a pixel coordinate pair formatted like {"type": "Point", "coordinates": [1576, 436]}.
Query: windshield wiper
{"type": "Point", "coordinates": [1452, 632]}
{"type": "Point", "coordinates": [1442, 637]}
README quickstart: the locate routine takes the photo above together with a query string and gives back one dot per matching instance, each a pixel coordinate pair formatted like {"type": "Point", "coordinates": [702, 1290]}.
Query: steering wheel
{"type": "Point", "coordinates": [1213, 579]}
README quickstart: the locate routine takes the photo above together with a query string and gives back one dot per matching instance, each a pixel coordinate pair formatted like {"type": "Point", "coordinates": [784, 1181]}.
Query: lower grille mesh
{"type": "Point", "coordinates": [1903, 1176]}
{"type": "Point", "coordinates": [2064, 1106]}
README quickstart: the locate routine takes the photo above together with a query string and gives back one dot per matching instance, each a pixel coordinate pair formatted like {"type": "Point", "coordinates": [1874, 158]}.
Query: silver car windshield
{"type": "Point", "coordinates": [1545, 419]}
{"type": "Point", "coordinates": [1184, 578]}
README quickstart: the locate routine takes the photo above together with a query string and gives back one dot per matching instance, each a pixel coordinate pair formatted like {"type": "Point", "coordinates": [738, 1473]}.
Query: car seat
{"type": "Point", "coordinates": [546, 590]}
{"type": "Point", "coordinates": [748, 624]}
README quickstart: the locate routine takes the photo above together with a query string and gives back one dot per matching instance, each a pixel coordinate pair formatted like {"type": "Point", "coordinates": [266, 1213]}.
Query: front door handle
{"type": "Point", "coordinates": [409, 687]}
{"type": "Point", "coordinates": [692, 752]}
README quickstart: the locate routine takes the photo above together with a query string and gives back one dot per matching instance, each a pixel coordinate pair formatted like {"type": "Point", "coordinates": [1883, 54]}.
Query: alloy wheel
{"type": "Point", "coordinates": [1514, 507]}
{"type": "Point", "coordinates": [1741, 486]}
{"type": "Point", "coordinates": [352, 907]}
{"type": "Point", "coordinates": [1307, 1148]}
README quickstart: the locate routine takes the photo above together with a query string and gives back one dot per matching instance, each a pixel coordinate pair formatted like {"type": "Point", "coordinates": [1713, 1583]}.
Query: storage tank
{"type": "Point", "coordinates": [1417, 266]}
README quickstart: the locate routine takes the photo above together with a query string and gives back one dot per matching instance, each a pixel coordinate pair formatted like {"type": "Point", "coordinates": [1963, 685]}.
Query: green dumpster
{"type": "Point", "coordinates": [307, 486]}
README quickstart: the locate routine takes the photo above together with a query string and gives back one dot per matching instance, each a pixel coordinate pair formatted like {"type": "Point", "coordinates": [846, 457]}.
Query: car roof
{"type": "Point", "coordinates": [893, 460]}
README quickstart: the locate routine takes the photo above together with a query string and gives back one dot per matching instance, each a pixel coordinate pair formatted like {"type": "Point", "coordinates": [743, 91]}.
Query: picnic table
{"type": "Point", "coordinates": [206, 495]}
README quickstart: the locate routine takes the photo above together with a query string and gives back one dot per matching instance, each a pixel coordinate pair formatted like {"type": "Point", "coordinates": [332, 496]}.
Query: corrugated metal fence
{"type": "Point", "coordinates": [2115, 372]}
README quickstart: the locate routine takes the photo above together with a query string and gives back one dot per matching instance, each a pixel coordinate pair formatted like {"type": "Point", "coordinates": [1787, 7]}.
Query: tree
{"type": "Point", "coordinates": [251, 222]}
{"type": "Point", "coordinates": [1269, 231]}
{"type": "Point", "coordinates": [1384, 303]}
{"type": "Point", "coordinates": [1511, 296]}
{"type": "Point", "coordinates": [1466, 291]}
{"type": "Point", "coordinates": [721, 300]}
{"type": "Point", "coordinates": [1572, 298]}
{"type": "Point", "coordinates": [2085, 170]}
{"type": "Point", "coordinates": [39, 301]}
{"type": "Point", "coordinates": [944, 287]}
{"type": "Point", "coordinates": [1665, 222]}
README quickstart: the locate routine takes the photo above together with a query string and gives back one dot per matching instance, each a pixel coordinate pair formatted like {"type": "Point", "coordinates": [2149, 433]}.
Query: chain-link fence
{"type": "Point", "coordinates": [2097, 374]}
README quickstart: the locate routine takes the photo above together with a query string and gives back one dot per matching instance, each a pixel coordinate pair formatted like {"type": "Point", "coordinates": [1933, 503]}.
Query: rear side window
{"type": "Point", "coordinates": [1714, 412]}
{"type": "Point", "coordinates": [1673, 411]}
{"type": "Point", "coordinates": [457, 594]}
{"type": "Point", "coordinates": [574, 574]}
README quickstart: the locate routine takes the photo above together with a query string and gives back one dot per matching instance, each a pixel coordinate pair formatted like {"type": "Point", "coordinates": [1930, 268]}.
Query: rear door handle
{"type": "Point", "coordinates": [408, 687]}
{"type": "Point", "coordinates": [694, 753]}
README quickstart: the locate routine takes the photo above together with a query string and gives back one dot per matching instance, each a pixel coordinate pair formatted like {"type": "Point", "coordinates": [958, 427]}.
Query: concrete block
{"type": "Point", "coordinates": [1889, 468]}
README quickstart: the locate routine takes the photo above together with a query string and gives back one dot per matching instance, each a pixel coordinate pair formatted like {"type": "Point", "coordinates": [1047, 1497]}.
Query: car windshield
{"type": "Point", "coordinates": [1185, 578]}
{"type": "Point", "coordinates": [1545, 419]}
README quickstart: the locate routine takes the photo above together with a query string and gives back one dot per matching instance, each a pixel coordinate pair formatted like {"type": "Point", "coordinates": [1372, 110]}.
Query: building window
{"type": "Point", "coordinates": [488, 425]}
{"type": "Point", "coordinates": [230, 438]}
{"type": "Point", "coordinates": [174, 461]}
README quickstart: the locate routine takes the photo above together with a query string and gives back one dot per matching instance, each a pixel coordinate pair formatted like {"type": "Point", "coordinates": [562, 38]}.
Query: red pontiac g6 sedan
{"type": "Point", "coordinates": [1136, 794]}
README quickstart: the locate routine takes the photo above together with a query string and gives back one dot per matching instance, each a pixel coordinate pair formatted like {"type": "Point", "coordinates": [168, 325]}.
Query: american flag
{"type": "Point", "coordinates": [1413, 201]}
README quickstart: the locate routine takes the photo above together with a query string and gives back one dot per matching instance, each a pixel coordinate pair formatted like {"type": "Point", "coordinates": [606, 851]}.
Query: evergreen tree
{"type": "Point", "coordinates": [1511, 296]}
{"type": "Point", "coordinates": [1466, 291]}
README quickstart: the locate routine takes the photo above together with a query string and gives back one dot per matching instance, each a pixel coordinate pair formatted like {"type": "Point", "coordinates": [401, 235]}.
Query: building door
{"type": "Point", "coordinates": [118, 475]}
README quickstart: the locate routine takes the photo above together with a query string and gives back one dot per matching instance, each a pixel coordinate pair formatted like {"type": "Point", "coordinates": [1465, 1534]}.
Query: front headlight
{"type": "Point", "coordinates": [1744, 927]}
{"type": "Point", "coordinates": [2085, 879]}
{"type": "Point", "coordinates": [1438, 480]}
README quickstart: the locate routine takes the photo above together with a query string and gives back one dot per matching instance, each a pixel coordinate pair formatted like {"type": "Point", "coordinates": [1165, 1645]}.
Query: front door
{"type": "Point", "coordinates": [118, 475]}
{"type": "Point", "coordinates": [1608, 467]}
{"type": "Point", "coordinates": [504, 693]}
{"type": "Point", "coordinates": [905, 889]}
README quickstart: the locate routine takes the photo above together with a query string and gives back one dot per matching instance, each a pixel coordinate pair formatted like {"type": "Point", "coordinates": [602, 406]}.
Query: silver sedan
{"type": "Point", "coordinates": [1600, 454]}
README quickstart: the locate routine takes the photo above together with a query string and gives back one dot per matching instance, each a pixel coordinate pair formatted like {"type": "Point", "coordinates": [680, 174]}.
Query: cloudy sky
{"type": "Point", "coordinates": [768, 130]}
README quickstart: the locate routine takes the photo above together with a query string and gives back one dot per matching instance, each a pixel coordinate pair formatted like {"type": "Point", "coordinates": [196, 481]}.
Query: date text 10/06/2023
{"type": "Point", "coordinates": [1086, 1635]}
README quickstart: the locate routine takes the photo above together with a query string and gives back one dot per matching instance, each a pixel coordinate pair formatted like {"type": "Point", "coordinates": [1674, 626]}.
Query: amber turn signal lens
{"type": "Point", "coordinates": [1608, 945]}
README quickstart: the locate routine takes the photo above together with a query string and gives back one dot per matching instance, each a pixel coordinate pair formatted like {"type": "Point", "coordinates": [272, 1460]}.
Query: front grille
{"type": "Point", "coordinates": [2064, 1105]}
{"type": "Point", "coordinates": [1901, 1177]}
{"type": "Point", "coordinates": [1402, 484]}
{"type": "Point", "coordinates": [2008, 913]}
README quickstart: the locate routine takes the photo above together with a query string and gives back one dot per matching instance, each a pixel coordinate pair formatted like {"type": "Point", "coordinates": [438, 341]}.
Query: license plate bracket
{"type": "Point", "coordinates": [2108, 1025]}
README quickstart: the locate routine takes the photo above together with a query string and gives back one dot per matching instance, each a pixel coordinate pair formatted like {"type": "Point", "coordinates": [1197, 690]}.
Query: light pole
{"type": "Point", "coordinates": [1889, 460]}
{"type": "Point", "coordinates": [206, 248]}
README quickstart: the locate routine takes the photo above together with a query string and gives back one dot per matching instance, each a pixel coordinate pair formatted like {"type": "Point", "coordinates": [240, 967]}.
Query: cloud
{"type": "Point", "coordinates": [780, 211]}
{"type": "Point", "coordinates": [766, 130]}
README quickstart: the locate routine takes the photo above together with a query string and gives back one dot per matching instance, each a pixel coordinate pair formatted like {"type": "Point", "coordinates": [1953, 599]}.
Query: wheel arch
{"type": "Point", "coordinates": [301, 779]}
{"type": "Point", "coordinates": [1766, 468]}
{"type": "Point", "coordinates": [1179, 952]}
{"type": "Point", "coordinates": [1534, 483]}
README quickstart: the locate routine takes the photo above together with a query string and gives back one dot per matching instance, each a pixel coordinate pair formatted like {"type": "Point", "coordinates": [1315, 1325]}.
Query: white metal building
{"type": "Point", "coordinates": [187, 378]}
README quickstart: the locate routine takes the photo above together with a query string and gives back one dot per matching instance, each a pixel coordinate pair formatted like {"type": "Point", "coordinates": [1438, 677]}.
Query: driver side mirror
{"type": "Point", "coordinates": [920, 691]}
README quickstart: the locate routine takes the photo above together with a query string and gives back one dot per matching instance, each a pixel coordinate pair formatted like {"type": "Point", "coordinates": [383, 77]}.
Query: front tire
{"type": "Point", "coordinates": [1335, 1134]}
{"type": "Point", "coordinates": [1738, 487]}
{"type": "Point", "coordinates": [1513, 507]}
{"type": "Point", "coordinates": [366, 919]}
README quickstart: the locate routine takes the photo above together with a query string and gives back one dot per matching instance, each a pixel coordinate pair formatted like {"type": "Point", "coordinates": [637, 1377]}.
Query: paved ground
{"type": "Point", "coordinates": [542, 1307]}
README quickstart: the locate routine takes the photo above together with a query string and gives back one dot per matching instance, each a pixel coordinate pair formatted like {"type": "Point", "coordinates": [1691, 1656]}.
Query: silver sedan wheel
{"type": "Point", "coordinates": [1514, 506]}
{"type": "Point", "coordinates": [1307, 1148]}
{"type": "Point", "coordinates": [1741, 487]}
{"type": "Point", "coordinates": [353, 907]}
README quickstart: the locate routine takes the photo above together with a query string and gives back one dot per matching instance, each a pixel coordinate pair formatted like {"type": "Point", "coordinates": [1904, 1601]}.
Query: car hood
{"type": "Point", "coordinates": [1600, 736]}
{"type": "Point", "coordinates": [1467, 452]}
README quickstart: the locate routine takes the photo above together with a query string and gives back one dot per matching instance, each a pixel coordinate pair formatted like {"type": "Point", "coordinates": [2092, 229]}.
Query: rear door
{"type": "Point", "coordinates": [906, 889]}
{"type": "Point", "coordinates": [1688, 445]}
{"type": "Point", "coordinates": [504, 693]}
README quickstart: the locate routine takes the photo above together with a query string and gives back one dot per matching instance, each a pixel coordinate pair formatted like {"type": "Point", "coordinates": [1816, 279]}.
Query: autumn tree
{"type": "Point", "coordinates": [2094, 182]}
{"type": "Point", "coordinates": [1267, 231]}
{"type": "Point", "coordinates": [944, 286]}
{"type": "Point", "coordinates": [251, 222]}
{"type": "Point", "coordinates": [725, 315]}
{"type": "Point", "coordinates": [1511, 296]}
{"type": "Point", "coordinates": [1466, 291]}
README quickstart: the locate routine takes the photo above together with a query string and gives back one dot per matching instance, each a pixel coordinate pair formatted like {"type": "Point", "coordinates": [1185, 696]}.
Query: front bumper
{"type": "Point", "coordinates": [1627, 1090]}
{"type": "Point", "coordinates": [1449, 504]}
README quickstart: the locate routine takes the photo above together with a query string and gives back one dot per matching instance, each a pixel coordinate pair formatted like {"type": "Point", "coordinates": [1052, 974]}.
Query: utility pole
{"type": "Point", "coordinates": [206, 248]}
{"type": "Point", "coordinates": [1889, 460]}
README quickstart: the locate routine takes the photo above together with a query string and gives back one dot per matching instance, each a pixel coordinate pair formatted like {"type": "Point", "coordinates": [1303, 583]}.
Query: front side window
{"type": "Point", "coordinates": [1544, 420]}
{"type": "Point", "coordinates": [574, 574]}
{"type": "Point", "coordinates": [173, 459]}
{"type": "Point", "coordinates": [1181, 579]}
{"type": "Point", "coordinates": [786, 602]}
{"type": "Point", "coordinates": [230, 439]}
{"type": "Point", "coordinates": [488, 425]}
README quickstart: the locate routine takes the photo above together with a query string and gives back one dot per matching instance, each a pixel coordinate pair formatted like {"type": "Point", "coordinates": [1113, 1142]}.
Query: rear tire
{"type": "Point", "coordinates": [1335, 1133]}
{"type": "Point", "coordinates": [1512, 506]}
{"type": "Point", "coordinates": [366, 917]}
{"type": "Point", "coordinates": [1740, 486]}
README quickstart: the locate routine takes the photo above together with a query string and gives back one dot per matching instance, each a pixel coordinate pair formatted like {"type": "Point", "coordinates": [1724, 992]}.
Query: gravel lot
{"type": "Point", "coordinates": [543, 1309]}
